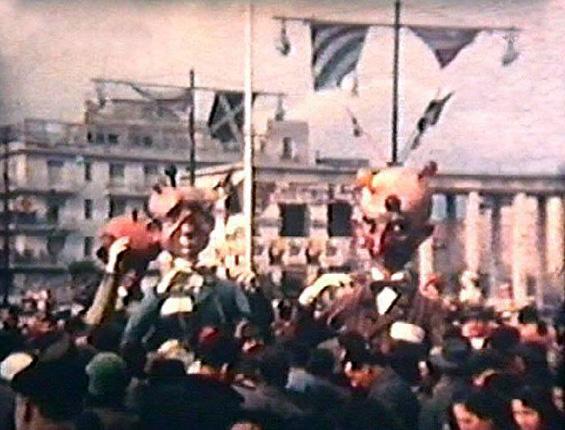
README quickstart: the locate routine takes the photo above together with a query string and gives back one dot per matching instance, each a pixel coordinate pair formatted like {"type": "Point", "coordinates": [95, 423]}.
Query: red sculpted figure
{"type": "Point", "coordinates": [396, 205]}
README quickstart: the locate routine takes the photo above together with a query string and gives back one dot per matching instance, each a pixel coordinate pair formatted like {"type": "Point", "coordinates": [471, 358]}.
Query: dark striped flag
{"type": "Point", "coordinates": [227, 115]}
{"type": "Point", "coordinates": [336, 49]}
{"type": "Point", "coordinates": [445, 43]}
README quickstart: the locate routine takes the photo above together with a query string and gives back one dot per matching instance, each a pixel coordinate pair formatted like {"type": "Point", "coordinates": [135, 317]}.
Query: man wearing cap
{"type": "Point", "coordinates": [50, 387]}
{"type": "Point", "coordinates": [108, 380]}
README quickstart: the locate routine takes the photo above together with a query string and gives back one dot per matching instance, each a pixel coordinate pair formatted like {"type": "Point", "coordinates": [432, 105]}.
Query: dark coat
{"type": "Point", "coordinates": [395, 395]}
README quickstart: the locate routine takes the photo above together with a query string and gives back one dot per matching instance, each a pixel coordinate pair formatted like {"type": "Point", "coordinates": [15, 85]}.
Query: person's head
{"type": "Point", "coordinates": [405, 358]}
{"type": "Point", "coordinates": [51, 388]}
{"type": "Point", "coordinates": [107, 377]}
{"type": "Point", "coordinates": [533, 409]}
{"type": "Point", "coordinates": [453, 357]}
{"type": "Point", "coordinates": [362, 369]}
{"type": "Point", "coordinates": [504, 338]}
{"type": "Point", "coordinates": [217, 351]}
{"type": "Point", "coordinates": [396, 205]}
{"type": "Point", "coordinates": [185, 215]}
{"type": "Point", "coordinates": [480, 410]}
{"type": "Point", "coordinates": [274, 367]}
{"type": "Point", "coordinates": [528, 315]}
{"type": "Point", "coordinates": [321, 363]}
{"type": "Point", "coordinates": [298, 354]}
{"type": "Point", "coordinates": [483, 365]}
{"type": "Point", "coordinates": [530, 358]}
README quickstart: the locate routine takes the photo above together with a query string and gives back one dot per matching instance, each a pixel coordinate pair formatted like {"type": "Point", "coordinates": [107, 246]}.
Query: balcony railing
{"type": "Point", "coordinates": [60, 188]}
{"type": "Point", "coordinates": [31, 223]}
{"type": "Point", "coordinates": [30, 259]}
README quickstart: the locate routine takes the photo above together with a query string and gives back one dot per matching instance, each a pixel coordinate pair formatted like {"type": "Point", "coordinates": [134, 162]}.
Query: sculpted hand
{"type": "Point", "coordinates": [116, 253]}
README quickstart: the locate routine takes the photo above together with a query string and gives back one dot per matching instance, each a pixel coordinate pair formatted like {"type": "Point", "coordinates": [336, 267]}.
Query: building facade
{"type": "Point", "coordinates": [66, 180]}
{"type": "Point", "coordinates": [506, 229]}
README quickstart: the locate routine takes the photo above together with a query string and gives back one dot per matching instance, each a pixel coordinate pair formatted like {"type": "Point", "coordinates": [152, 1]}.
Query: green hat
{"type": "Point", "coordinates": [107, 373]}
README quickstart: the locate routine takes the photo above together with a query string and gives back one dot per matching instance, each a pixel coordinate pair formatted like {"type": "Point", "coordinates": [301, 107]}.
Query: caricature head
{"type": "Point", "coordinates": [396, 204]}
{"type": "Point", "coordinates": [186, 219]}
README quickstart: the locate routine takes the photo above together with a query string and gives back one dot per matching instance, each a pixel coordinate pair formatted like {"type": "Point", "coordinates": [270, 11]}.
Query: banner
{"type": "Point", "coordinates": [227, 115]}
{"type": "Point", "coordinates": [445, 43]}
{"type": "Point", "coordinates": [336, 49]}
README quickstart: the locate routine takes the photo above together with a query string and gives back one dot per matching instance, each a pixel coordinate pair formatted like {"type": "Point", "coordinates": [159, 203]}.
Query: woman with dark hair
{"type": "Point", "coordinates": [533, 409]}
{"type": "Point", "coordinates": [481, 410]}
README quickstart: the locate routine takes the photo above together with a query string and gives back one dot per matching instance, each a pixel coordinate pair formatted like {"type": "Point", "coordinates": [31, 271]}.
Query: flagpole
{"type": "Point", "coordinates": [394, 152]}
{"type": "Point", "coordinates": [248, 139]}
{"type": "Point", "coordinates": [191, 131]}
{"type": "Point", "coordinates": [7, 272]}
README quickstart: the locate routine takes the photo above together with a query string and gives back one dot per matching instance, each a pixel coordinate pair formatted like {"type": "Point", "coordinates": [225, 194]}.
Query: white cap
{"type": "Point", "coordinates": [175, 305]}
{"type": "Point", "coordinates": [14, 364]}
{"type": "Point", "coordinates": [407, 332]}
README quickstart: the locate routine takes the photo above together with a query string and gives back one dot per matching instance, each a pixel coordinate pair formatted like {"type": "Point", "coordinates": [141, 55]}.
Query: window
{"type": "Point", "coordinates": [147, 141]}
{"type": "Point", "coordinates": [287, 149]}
{"type": "Point", "coordinates": [89, 137]}
{"type": "Point", "coordinates": [116, 172]}
{"type": "Point", "coordinates": [116, 207]}
{"type": "Point", "coordinates": [88, 209]}
{"type": "Point", "coordinates": [55, 245]}
{"type": "Point", "coordinates": [293, 220]}
{"type": "Point", "coordinates": [87, 171]}
{"type": "Point", "coordinates": [113, 139]}
{"type": "Point", "coordinates": [100, 138]}
{"type": "Point", "coordinates": [88, 245]}
{"type": "Point", "coordinates": [150, 171]}
{"type": "Point", "coordinates": [339, 219]}
{"type": "Point", "coordinates": [54, 172]}
{"type": "Point", "coordinates": [52, 214]}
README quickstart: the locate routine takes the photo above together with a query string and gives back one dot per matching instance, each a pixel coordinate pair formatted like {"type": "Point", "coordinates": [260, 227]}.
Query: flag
{"type": "Point", "coordinates": [336, 49]}
{"type": "Point", "coordinates": [445, 43]}
{"type": "Point", "coordinates": [428, 119]}
{"type": "Point", "coordinates": [174, 103]}
{"type": "Point", "coordinates": [178, 102]}
{"type": "Point", "coordinates": [227, 115]}
{"type": "Point", "coordinates": [356, 128]}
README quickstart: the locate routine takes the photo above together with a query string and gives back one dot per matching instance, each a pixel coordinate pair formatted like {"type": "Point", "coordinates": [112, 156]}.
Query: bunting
{"type": "Point", "coordinates": [336, 49]}
{"type": "Point", "coordinates": [178, 102]}
{"type": "Point", "coordinates": [227, 115]}
{"type": "Point", "coordinates": [172, 102]}
{"type": "Point", "coordinates": [445, 43]}
{"type": "Point", "coordinates": [428, 119]}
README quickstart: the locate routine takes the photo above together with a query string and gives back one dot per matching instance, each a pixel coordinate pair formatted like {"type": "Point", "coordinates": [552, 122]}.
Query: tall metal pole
{"type": "Point", "coordinates": [191, 131]}
{"type": "Point", "coordinates": [7, 273]}
{"type": "Point", "coordinates": [394, 154]}
{"type": "Point", "coordinates": [248, 195]}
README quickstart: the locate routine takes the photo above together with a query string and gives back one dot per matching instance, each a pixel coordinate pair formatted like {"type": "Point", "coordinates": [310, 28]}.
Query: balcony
{"type": "Point", "coordinates": [63, 188]}
{"type": "Point", "coordinates": [125, 190]}
{"type": "Point", "coordinates": [30, 261]}
{"type": "Point", "coordinates": [30, 223]}
{"type": "Point", "coordinates": [53, 133]}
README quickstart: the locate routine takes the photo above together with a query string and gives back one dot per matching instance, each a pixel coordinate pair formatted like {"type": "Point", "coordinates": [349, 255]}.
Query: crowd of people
{"type": "Point", "coordinates": [278, 369]}
{"type": "Point", "coordinates": [363, 351]}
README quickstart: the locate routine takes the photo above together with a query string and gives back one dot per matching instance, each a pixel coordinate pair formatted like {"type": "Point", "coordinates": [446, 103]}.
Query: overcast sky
{"type": "Point", "coordinates": [508, 119]}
